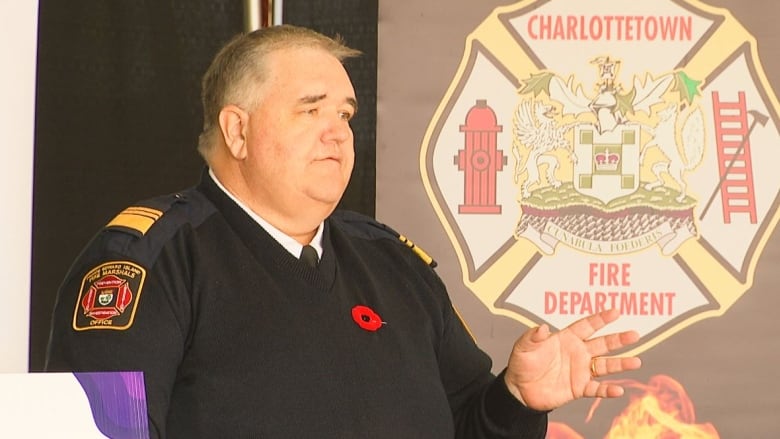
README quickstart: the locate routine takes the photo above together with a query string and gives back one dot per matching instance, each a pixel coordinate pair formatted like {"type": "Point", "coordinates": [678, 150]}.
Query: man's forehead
{"type": "Point", "coordinates": [307, 74]}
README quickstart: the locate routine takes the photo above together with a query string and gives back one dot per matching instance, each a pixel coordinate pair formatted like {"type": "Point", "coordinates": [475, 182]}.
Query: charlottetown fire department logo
{"type": "Point", "coordinates": [109, 296]}
{"type": "Point", "coordinates": [591, 155]}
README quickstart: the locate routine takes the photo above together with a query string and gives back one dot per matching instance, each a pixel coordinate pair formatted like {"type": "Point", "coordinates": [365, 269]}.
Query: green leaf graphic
{"type": "Point", "coordinates": [537, 83]}
{"type": "Point", "coordinates": [686, 86]}
{"type": "Point", "coordinates": [625, 104]}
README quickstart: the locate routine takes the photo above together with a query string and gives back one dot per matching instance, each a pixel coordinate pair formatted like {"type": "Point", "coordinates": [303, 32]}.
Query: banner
{"type": "Point", "coordinates": [19, 24]}
{"type": "Point", "coordinates": [81, 405]}
{"type": "Point", "coordinates": [570, 157]}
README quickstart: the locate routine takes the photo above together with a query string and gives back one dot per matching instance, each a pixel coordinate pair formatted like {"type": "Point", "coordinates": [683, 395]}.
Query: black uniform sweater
{"type": "Point", "coordinates": [239, 339]}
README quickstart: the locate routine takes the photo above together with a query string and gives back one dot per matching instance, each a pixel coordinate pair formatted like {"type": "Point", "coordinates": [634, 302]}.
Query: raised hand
{"type": "Point", "coordinates": [546, 370]}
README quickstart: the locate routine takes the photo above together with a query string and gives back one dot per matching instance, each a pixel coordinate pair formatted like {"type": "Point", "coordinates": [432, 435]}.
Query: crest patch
{"type": "Point", "coordinates": [109, 296]}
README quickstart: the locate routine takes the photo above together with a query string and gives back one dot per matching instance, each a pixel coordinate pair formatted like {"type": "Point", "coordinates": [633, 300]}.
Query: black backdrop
{"type": "Point", "coordinates": [118, 114]}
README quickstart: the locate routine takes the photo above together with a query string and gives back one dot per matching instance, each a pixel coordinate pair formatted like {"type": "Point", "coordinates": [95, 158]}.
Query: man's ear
{"type": "Point", "coordinates": [233, 122]}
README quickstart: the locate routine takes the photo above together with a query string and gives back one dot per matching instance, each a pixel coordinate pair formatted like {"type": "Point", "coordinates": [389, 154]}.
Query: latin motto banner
{"type": "Point", "coordinates": [566, 157]}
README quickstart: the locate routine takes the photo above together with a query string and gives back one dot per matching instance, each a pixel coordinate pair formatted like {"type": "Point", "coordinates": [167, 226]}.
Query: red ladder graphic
{"type": "Point", "coordinates": [735, 165]}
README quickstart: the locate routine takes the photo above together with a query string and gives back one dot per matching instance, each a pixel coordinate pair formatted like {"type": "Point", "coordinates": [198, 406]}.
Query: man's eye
{"type": "Point", "coordinates": [312, 111]}
{"type": "Point", "coordinates": [345, 115]}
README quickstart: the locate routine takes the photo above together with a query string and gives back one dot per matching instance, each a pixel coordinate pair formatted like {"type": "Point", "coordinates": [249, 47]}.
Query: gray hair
{"type": "Point", "coordinates": [241, 62]}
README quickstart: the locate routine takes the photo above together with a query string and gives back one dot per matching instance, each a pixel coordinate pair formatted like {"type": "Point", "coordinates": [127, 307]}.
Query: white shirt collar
{"type": "Point", "coordinates": [289, 243]}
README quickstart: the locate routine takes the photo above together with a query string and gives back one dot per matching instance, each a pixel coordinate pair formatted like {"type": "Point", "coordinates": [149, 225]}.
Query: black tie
{"type": "Point", "coordinates": [309, 256]}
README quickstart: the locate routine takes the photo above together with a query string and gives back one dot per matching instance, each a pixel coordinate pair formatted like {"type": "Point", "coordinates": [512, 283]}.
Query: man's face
{"type": "Point", "coordinates": [300, 149]}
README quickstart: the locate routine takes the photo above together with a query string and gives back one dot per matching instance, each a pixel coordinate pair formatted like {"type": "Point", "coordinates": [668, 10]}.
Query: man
{"type": "Point", "coordinates": [204, 292]}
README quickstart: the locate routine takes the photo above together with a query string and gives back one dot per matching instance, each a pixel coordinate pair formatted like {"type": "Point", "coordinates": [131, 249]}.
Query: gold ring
{"type": "Point", "coordinates": [593, 373]}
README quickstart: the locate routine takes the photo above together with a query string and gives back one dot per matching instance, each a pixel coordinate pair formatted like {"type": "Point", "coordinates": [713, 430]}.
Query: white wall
{"type": "Point", "coordinates": [18, 36]}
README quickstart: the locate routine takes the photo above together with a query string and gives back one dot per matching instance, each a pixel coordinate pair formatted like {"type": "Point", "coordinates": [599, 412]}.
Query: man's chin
{"type": "Point", "coordinates": [327, 200]}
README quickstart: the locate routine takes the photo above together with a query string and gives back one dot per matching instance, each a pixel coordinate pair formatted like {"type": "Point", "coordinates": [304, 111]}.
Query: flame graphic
{"type": "Point", "coordinates": [660, 409]}
{"type": "Point", "coordinates": [557, 430]}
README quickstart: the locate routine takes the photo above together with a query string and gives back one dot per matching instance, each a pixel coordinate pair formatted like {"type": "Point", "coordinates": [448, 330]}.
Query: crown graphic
{"type": "Point", "coordinates": [607, 161]}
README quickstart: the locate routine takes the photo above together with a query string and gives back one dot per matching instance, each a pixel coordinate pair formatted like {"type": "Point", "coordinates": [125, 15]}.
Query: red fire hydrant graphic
{"type": "Point", "coordinates": [480, 160]}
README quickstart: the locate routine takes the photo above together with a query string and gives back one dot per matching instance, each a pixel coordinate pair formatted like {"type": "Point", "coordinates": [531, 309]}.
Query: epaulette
{"type": "Point", "coordinates": [417, 250]}
{"type": "Point", "coordinates": [138, 219]}
{"type": "Point", "coordinates": [360, 220]}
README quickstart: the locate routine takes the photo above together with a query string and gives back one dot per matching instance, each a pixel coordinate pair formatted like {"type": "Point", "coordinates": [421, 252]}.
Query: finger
{"type": "Point", "coordinates": [611, 342]}
{"type": "Point", "coordinates": [595, 389]}
{"type": "Point", "coordinates": [606, 366]}
{"type": "Point", "coordinates": [585, 327]}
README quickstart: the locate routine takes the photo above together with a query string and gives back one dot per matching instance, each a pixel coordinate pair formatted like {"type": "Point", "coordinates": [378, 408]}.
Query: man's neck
{"type": "Point", "coordinates": [292, 242]}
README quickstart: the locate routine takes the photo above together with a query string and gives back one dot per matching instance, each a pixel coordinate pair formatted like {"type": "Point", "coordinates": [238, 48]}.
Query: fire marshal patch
{"type": "Point", "coordinates": [109, 296]}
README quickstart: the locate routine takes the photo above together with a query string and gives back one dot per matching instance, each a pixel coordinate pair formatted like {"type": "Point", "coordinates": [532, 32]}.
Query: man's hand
{"type": "Point", "coordinates": [548, 370]}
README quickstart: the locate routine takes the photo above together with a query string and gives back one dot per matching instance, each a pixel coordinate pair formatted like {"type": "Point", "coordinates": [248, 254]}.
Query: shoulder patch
{"type": "Point", "coordinates": [136, 218]}
{"type": "Point", "coordinates": [108, 296]}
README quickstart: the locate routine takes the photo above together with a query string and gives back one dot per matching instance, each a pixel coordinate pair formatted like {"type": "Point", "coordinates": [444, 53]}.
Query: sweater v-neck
{"type": "Point", "coordinates": [265, 249]}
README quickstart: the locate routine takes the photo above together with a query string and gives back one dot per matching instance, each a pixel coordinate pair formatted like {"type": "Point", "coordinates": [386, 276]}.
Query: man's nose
{"type": "Point", "coordinates": [338, 130]}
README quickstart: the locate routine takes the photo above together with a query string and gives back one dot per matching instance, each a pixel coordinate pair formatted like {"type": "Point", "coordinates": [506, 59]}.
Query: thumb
{"type": "Point", "coordinates": [533, 336]}
{"type": "Point", "coordinates": [541, 333]}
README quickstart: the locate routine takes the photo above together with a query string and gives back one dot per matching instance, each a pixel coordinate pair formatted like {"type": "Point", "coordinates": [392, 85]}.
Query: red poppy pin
{"type": "Point", "coordinates": [366, 318]}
